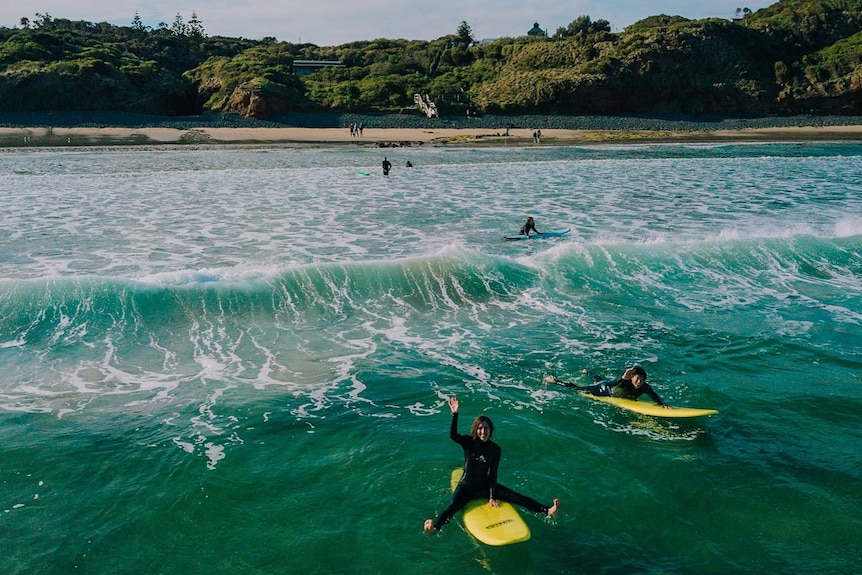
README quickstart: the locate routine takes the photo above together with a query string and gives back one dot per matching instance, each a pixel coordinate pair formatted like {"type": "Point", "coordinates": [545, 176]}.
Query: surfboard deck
{"type": "Point", "coordinates": [653, 409]}
{"type": "Point", "coordinates": [551, 234]}
{"type": "Point", "coordinates": [495, 526]}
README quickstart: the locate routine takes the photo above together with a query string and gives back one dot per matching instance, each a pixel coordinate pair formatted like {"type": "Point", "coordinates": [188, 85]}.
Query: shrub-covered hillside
{"type": "Point", "coordinates": [796, 56]}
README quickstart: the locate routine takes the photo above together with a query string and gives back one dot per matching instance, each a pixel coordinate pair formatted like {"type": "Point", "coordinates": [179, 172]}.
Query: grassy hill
{"type": "Point", "coordinates": [796, 56]}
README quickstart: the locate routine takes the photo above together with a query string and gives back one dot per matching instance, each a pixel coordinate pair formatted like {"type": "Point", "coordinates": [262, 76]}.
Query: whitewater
{"type": "Point", "coordinates": [237, 359]}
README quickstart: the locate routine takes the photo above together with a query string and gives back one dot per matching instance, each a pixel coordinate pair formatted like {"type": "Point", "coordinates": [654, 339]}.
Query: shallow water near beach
{"type": "Point", "coordinates": [236, 360]}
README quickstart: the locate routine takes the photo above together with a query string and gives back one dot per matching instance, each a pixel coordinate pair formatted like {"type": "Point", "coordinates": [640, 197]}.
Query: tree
{"type": "Point", "coordinates": [195, 27]}
{"type": "Point", "coordinates": [137, 24]}
{"type": "Point", "coordinates": [465, 34]}
{"type": "Point", "coordinates": [178, 27]}
{"type": "Point", "coordinates": [583, 25]}
{"type": "Point", "coordinates": [43, 21]}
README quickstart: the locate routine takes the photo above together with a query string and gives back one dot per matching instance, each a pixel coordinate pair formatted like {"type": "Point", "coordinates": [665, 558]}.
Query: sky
{"type": "Point", "coordinates": [335, 22]}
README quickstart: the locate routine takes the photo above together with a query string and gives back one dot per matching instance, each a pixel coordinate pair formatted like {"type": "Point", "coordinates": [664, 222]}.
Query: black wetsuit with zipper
{"type": "Point", "coordinates": [479, 481]}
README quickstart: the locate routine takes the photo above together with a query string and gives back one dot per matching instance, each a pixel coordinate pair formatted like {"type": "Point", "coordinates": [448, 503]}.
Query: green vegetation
{"type": "Point", "coordinates": [796, 56]}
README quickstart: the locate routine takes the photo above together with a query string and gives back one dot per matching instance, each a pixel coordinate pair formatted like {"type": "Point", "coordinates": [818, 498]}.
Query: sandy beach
{"type": "Point", "coordinates": [395, 137]}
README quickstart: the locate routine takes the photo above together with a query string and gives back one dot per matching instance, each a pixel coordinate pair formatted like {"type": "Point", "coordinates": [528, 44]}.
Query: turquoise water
{"type": "Point", "coordinates": [234, 360]}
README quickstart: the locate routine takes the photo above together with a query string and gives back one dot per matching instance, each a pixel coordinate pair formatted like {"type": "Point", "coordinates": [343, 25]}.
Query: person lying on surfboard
{"type": "Point", "coordinates": [630, 386]}
{"type": "Point", "coordinates": [481, 460]}
{"type": "Point", "coordinates": [530, 225]}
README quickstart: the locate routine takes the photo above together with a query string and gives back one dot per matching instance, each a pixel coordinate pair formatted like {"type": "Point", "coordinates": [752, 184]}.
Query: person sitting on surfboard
{"type": "Point", "coordinates": [530, 225]}
{"type": "Point", "coordinates": [630, 386]}
{"type": "Point", "coordinates": [481, 460]}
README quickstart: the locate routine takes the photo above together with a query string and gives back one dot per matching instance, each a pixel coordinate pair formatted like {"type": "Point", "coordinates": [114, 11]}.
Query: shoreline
{"type": "Point", "coordinates": [17, 137]}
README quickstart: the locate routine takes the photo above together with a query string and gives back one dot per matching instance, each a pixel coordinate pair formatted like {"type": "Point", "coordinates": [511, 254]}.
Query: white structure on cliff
{"type": "Point", "coordinates": [426, 105]}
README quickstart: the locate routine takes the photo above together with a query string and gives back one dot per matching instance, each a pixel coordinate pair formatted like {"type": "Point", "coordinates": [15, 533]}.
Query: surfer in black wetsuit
{"type": "Point", "coordinates": [631, 385]}
{"type": "Point", "coordinates": [481, 460]}
{"type": "Point", "coordinates": [387, 165]}
{"type": "Point", "coordinates": [529, 226]}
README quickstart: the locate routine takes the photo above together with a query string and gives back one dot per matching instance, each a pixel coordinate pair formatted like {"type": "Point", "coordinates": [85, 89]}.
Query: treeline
{"type": "Point", "coordinates": [796, 56]}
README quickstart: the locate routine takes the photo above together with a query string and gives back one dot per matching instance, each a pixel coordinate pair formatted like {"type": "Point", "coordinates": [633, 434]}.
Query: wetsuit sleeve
{"type": "Point", "coordinates": [653, 395]}
{"type": "Point", "coordinates": [492, 472]}
{"type": "Point", "coordinates": [453, 429]}
{"type": "Point", "coordinates": [568, 384]}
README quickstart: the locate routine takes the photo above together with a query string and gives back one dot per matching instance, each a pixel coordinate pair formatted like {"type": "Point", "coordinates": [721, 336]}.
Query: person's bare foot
{"type": "Point", "coordinates": [553, 509]}
{"type": "Point", "coordinates": [429, 526]}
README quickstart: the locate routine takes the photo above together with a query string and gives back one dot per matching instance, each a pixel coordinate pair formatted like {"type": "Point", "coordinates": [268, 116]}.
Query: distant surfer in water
{"type": "Point", "coordinates": [387, 165]}
{"type": "Point", "coordinates": [481, 459]}
{"type": "Point", "coordinates": [530, 225]}
{"type": "Point", "coordinates": [630, 386]}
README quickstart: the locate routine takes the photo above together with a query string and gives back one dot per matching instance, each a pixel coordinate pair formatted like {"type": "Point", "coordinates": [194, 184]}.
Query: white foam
{"type": "Point", "coordinates": [245, 272]}
{"type": "Point", "coordinates": [848, 227]}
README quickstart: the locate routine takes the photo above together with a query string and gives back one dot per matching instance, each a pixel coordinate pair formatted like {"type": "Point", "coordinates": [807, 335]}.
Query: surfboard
{"type": "Point", "coordinates": [361, 173]}
{"type": "Point", "coordinates": [645, 408]}
{"type": "Point", "coordinates": [551, 234]}
{"type": "Point", "coordinates": [495, 526]}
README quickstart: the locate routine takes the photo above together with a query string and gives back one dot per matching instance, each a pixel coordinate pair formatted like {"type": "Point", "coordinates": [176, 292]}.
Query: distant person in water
{"type": "Point", "coordinates": [529, 226]}
{"type": "Point", "coordinates": [630, 386]}
{"type": "Point", "coordinates": [481, 460]}
{"type": "Point", "coordinates": [387, 165]}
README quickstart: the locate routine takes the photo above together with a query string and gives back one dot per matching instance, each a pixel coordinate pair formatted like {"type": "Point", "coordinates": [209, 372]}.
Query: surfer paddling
{"type": "Point", "coordinates": [630, 386]}
{"type": "Point", "coordinates": [528, 227]}
{"type": "Point", "coordinates": [481, 460]}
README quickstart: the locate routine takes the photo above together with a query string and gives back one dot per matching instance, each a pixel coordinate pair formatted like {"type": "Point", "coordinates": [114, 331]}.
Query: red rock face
{"type": "Point", "coordinates": [249, 101]}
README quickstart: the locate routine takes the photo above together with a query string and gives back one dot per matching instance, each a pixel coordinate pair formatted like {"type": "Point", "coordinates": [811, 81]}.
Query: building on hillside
{"type": "Point", "coordinates": [306, 67]}
{"type": "Point", "coordinates": [536, 30]}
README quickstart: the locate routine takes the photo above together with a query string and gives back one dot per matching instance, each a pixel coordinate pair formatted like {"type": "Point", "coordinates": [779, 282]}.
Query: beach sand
{"type": "Point", "coordinates": [395, 137]}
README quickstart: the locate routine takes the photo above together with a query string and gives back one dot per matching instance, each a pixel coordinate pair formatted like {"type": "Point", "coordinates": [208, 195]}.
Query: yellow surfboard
{"type": "Point", "coordinates": [496, 526]}
{"type": "Point", "coordinates": [653, 409]}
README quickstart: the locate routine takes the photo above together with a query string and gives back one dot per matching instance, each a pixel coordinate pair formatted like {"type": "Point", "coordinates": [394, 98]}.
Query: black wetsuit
{"type": "Point", "coordinates": [481, 460]}
{"type": "Point", "coordinates": [529, 226]}
{"type": "Point", "coordinates": [619, 388]}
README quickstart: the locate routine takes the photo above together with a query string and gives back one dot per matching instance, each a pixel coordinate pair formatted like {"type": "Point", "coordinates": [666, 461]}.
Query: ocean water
{"type": "Point", "coordinates": [237, 360]}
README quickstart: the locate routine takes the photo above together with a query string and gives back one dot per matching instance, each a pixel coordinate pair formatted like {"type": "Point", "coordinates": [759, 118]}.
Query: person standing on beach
{"type": "Point", "coordinates": [481, 461]}
{"type": "Point", "coordinates": [387, 165]}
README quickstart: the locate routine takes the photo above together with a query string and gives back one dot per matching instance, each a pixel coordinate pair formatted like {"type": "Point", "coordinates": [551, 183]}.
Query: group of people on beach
{"type": "Point", "coordinates": [356, 129]}
{"type": "Point", "coordinates": [482, 456]}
